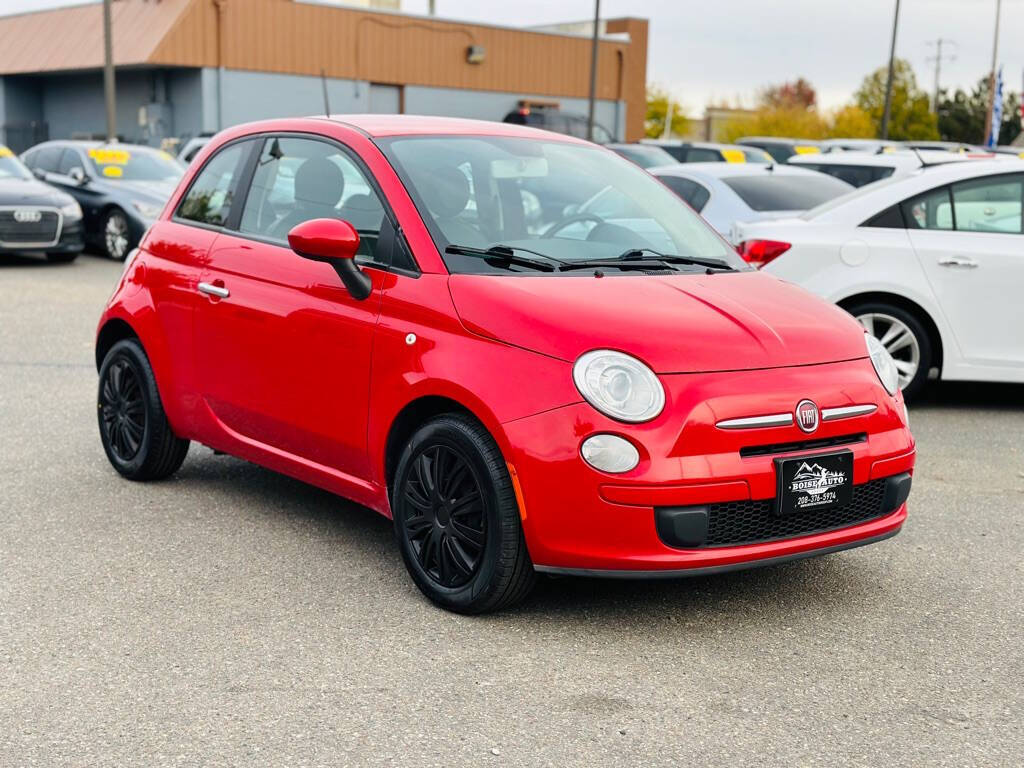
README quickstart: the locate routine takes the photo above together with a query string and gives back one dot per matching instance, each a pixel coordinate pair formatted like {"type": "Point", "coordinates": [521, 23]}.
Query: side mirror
{"type": "Point", "coordinates": [39, 173]}
{"type": "Point", "coordinates": [333, 242]}
{"type": "Point", "coordinates": [78, 176]}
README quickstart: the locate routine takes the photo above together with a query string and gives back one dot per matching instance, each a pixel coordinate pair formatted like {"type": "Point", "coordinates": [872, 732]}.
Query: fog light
{"type": "Point", "coordinates": [610, 453]}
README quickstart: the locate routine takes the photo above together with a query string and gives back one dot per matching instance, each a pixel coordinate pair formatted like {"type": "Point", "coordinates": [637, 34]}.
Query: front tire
{"type": "Point", "coordinates": [457, 519]}
{"type": "Point", "coordinates": [904, 335]}
{"type": "Point", "coordinates": [116, 234]}
{"type": "Point", "coordinates": [134, 430]}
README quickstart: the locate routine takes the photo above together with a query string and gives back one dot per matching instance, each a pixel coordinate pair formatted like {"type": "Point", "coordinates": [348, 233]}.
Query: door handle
{"type": "Point", "coordinates": [214, 290]}
{"type": "Point", "coordinates": [958, 261]}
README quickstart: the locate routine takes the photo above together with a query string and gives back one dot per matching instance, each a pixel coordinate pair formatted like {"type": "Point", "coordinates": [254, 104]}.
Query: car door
{"type": "Point", "coordinates": [283, 349]}
{"type": "Point", "coordinates": [968, 238]}
{"type": "Point", "coordinates": [85, 191]}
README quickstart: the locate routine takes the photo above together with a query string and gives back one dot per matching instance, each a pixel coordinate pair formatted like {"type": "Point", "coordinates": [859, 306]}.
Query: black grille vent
{"type": "Point", "coordinates": [42, 231]}
{"type": "Point", "coordinates": [803, 445]}
{"type": "Point", "coordinates": [750, 522]}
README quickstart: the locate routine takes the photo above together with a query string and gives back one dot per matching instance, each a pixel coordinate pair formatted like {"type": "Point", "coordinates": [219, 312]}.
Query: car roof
{"type": "Point", "coordinates": [93, 144]}
{"type": "Point", "coordinates": [780, 140]}
{"type": "Point", "coordinates": [728, 170]}
{"type": "Point", "coordinates": [422, 125]}
{"type": "Point", "coordinates": [884, 159]}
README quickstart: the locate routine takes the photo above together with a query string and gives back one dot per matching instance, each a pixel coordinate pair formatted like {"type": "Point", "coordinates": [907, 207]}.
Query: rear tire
{"type": "Point", "coordinates": [61, 258]}
{"type": "Point", "coordinates": [904, 335]}
{"type": "Point", "coordinates": [134, 430]}
{"type": "Point", "coordinates": [457, 519]}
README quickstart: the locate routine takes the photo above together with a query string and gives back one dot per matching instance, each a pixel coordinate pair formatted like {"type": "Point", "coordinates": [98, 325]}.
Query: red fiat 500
{"type": "Point", "coordinates": [521, 347]}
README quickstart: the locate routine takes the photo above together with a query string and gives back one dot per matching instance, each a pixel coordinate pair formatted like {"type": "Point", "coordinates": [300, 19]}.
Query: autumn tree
{"type": "Point", "coordinates": [798, 94]}
{"type": "Point", "coordinates": [657, 109]}
{"type": "Point", "coordinates": [910, 116]}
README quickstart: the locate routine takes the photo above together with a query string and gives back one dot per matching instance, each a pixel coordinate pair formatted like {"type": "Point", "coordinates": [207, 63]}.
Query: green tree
{"type": "Point", "coordinates": [962, 115]}
{"type": "Point", "coordinates": [911, 116]}
{"type": "Point", "coordinates": [657, 109]}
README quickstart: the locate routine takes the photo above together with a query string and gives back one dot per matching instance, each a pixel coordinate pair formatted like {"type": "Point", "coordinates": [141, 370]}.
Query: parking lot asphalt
{"type": "Point", "coordinates": [233, 616]}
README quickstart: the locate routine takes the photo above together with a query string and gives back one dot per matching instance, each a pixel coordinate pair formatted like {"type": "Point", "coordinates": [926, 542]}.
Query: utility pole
{"type": "Point", "coordinates": [938, 58]}
{"type": "Point", "coordinates": [888, 82]}
{"type": "Point", "coordinates": [593, 70]}
{"type": "Point", "coordinates": [992, 79]}
{"type": "Point", "coordinates": [108, 73]}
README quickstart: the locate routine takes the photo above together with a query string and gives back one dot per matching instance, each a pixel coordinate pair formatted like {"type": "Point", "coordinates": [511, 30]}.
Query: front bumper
{"type": "Point", "coordinates": [580, 520]}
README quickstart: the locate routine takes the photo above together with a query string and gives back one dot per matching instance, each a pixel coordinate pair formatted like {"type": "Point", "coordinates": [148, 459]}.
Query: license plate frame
{"type": "Point", "coordinates": [816, 482]}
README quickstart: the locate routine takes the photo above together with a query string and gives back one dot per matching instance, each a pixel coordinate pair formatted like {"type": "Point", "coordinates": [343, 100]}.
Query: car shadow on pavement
{"type": "Point", "coordinates": [365, 540]}
{"type": "Point", "coordinates": [8, 260]}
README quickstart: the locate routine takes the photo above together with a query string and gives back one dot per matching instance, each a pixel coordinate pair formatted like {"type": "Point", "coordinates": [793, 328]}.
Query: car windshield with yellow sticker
{"type": "Point", "coordinates": [134, 164]}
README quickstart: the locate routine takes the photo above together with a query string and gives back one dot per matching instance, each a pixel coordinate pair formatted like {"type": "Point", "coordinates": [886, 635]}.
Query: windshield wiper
{"type": "Point", "coordinates": [637, 254]}
{"type": "Point", "coordinates": [507, 254]}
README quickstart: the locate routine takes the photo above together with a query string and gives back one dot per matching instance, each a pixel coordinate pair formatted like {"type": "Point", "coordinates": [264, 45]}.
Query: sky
{"type": "Point", "coordinates": [726, 50]}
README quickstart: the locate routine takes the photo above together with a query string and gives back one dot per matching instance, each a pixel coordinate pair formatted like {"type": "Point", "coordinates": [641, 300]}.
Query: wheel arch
{"type": "Point", "coordinates": [113, 330]}
{"type": "Point", "coordinates": [908, 305]}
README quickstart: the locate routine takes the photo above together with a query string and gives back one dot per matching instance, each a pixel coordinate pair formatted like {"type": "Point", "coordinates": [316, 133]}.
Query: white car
{"type": "Point", "coordinates": [931, 263]}
{"type": "Point", "coordinates": [860, 168]}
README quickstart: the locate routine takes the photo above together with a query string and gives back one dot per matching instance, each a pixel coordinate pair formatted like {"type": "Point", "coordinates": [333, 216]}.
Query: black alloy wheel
{"type": "Point", "coordinates": [445, 520]}
{"type": "Point", "coordinates": [134, 430]}
{"type": "Point", "coordinates": [122, 409]}
{"type": "Point", "coordinates": [456, 518]}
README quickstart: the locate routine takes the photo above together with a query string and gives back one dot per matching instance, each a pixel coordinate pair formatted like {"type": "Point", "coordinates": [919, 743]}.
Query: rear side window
{"type": "Point", "coordinates": [768, 192]}
{"type": "Point", "coordinates": [890, 218]}
{"type": "Point", "coordinates": [702, 155]}
{"type": "Point", "coordinates": [991, 204]}
{"type": "Point", "coordinates": [693, 193]}
{"type": "Point", "coordinates": [208, 200]}
{"type": "Point", "coordinates": [931, 210]}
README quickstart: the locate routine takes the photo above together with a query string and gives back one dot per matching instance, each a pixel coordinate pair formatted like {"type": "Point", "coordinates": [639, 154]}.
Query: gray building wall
{"type": "Point", "coordinates": [184, 102]}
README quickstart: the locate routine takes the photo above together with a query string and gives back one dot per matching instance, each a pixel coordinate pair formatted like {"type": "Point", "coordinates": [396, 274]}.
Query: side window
{"type": "Point", "coordinates": [931, 210]}
{"type": "Point", "coordinates": [48, 158]}
{"type": "Point", "coordinates": [890, 218]}
{"type": "Point", "coordinates": [702, 155]}
{"type": "Point", "coordinates": [70, 159]}
{"type": "Point", "coordinates": [690, 191]}
{"type": "Point", "coordinates": [991, 204]}
{"type": "Point", "coordinates": [301, 179]}
{"type": "Point", "coordinates": [208, 200]}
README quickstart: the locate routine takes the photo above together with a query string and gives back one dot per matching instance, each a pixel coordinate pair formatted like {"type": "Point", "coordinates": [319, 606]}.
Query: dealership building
{"type": "Point", "coordinates": [186, 67]}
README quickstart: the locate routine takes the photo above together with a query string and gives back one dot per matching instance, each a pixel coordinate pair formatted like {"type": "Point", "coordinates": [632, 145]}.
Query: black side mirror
{"type": "Point", "coordinates": [39, 173]}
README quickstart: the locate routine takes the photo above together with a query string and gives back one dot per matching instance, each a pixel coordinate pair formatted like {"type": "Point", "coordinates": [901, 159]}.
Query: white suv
{"type": "Point", "coordinates": [932, 263]}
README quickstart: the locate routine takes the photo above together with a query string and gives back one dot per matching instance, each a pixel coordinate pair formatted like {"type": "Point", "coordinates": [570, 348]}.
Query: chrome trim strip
{"type": "Point", "coordinates": [40, 208]}
{"type": "Point", "coordinates": [847, 411]}
{"type": "Point", "coordinates": [756, 422]}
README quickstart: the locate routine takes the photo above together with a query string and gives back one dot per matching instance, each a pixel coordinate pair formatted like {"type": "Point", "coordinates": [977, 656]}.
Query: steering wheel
{"type": "Point", "coordinates": [576, 218]}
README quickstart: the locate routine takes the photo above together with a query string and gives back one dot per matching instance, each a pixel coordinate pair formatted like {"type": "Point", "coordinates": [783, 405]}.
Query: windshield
{"type": "Point", "coordinates": [134, 164]}
{"type": "Point", "coordinates": [776, 192]}
{"type": "Point", "coordinates": [565, 201]}
{"type": "Point", "coordinates": [11, 167]}
{"type": "Point", "coordinates": [646, 157]}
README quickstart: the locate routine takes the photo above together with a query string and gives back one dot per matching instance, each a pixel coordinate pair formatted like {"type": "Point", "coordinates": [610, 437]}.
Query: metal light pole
{"type": "Point", "coordinates": [888, 82]}
{"type": "Point", "coordinates": [108, 73]}
{"type": "Point", "coordinates": [992, 79]}
{"type": "Point", "coordinates": [593, 70]}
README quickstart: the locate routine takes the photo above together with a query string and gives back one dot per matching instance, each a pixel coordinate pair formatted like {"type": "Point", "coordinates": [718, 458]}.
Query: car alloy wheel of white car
{"type": "Point", "coordinates": [898, 339]}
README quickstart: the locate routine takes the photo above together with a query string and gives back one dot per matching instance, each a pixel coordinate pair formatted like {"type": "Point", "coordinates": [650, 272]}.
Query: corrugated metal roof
{"type": "Point", "coordinates": [72, 38]}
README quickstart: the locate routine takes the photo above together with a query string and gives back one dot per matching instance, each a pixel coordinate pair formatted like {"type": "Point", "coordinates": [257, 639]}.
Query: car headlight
{"type": "Point", "coordinates": [885, 366]}
{"type": "Point", "coordinates": [148, 210]}
{"type": "Point", "coordinates": [71, 211]}
{"type": "Point", "coordinates": [618, 385]}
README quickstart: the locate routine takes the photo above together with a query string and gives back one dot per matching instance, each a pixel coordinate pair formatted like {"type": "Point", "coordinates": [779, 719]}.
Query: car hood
{"type": "Point", "coordinates": [30, 192]}
{"type": "Point", "coordinates": [682, 323]}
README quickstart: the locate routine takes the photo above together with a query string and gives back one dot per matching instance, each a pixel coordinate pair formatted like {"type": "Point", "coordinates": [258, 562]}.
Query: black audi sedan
{"type": "Point", "coordinates": [35, 217]}
{"type": "Point", "coordinates": [121, 187]}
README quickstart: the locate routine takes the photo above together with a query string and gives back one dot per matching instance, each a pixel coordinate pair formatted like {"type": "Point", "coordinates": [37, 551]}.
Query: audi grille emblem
{"type": "Point", "coordinates": [806, 415]}
{"type": "Point", "coordinates": [27, 216]}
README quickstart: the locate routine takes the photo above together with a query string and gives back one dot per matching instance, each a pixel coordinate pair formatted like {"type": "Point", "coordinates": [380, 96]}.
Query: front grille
{"type": "Point", "coordinates": [43, 231]}
{"type": "Point", "coordinates": [802, 445]}
{"type": "Point", "coordinates": [750, 522]}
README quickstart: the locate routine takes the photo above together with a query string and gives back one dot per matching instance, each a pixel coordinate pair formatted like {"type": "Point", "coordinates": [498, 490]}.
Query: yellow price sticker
{"type": "Point", "coordinates": [113, 171]}
{"type": "Point", "coordinates": [110, 156]}
{"type": "Point", "coordinates": [734, 156]}
{"type": "Point", "coordinates": [5, 152]}
{"type": "Point", "coordinates": [804, 149]}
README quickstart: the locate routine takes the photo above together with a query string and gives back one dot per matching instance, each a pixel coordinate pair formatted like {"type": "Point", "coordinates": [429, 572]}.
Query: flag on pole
{"type": "Point", "coordinates": [997, 110]}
